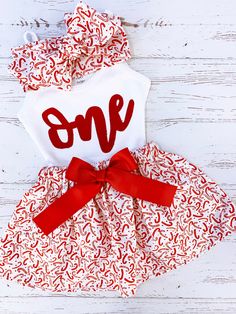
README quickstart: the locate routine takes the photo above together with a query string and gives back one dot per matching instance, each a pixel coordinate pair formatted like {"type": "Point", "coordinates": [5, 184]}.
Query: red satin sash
{"type": "Point", "coordinates": [89, 181]}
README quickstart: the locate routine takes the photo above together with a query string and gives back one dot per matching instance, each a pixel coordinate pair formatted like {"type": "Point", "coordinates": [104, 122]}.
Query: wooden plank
{"type": "Point", "coordinates": [214, 153]}
{"type": "Point", "coordinates": [166, 42]}
{"type": "Point", "coordinates": [179, 12]}
{"type": "Point", "coordinates": [179, 32]}
{"type": "Point", "coordinates": [77, 305]}
{"type": "Point", "coordinates": [186, 90]}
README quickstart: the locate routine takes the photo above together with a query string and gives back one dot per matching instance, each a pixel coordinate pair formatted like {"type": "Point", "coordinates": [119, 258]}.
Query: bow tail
{"type": "Point", "coordinates": [142, 187]}
{"type": "Point", "coordinates": [65, 206]}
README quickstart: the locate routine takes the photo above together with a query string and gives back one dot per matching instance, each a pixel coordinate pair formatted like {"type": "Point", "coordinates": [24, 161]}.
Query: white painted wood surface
{"type": "Point", "coordinates": [188, 49]}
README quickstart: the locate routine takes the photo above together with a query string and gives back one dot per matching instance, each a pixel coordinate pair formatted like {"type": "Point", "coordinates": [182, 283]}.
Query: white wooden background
{"type": "Point", "coordinates": [188, 49]}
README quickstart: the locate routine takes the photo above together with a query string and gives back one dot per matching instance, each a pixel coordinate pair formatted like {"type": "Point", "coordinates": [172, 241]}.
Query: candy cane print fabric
{"type": "Point", "coordinates": [93, 40]}
{"type": "Point", "coordinates": [116, 242]}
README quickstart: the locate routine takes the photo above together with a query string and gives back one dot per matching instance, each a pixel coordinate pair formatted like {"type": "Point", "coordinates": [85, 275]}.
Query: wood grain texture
{"type": "Point", "coordinates": [114, 306]}
{"type": "Point", "coordinates": [188, 50]}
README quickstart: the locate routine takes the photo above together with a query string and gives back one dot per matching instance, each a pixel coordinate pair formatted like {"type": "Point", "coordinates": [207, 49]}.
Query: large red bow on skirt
{"type": "Point", "coordinates": [89, 181]}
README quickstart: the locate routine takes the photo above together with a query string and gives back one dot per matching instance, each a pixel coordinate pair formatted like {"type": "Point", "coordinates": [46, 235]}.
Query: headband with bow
{"type": "Point", "coordinates": [94, 40]}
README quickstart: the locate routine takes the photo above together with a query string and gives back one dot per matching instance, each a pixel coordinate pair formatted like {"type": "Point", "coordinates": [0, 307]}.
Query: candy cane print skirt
{"type": "Point", "coordinates": [115, 242]}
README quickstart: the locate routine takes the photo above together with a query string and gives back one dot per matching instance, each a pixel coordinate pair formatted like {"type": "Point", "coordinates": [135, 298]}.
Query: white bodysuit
{"type": "Point", "coordinates": [100, 116]}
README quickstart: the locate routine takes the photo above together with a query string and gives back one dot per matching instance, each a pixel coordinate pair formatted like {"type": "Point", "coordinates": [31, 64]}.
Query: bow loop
{"type": "Point", "coordinates": [124, 160]}
{"type": "Point", "coordinates": [78, 170]}
{"type": "Point", "coordinates": [89, 27]}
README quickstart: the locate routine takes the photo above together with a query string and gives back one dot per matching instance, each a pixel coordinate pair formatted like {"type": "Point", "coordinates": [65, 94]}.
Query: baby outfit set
{"type": "Point", "coordinates": [110, 210]}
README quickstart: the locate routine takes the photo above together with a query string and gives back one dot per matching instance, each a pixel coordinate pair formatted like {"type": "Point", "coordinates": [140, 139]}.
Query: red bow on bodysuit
{"type": "Point", "coordinates": [89, 181]}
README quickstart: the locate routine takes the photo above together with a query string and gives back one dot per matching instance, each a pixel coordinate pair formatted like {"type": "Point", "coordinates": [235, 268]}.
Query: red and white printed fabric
{"type": "Point", "coordinates": [116, 242]}
{"type": "Point", "coordinates": [93, 40]}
